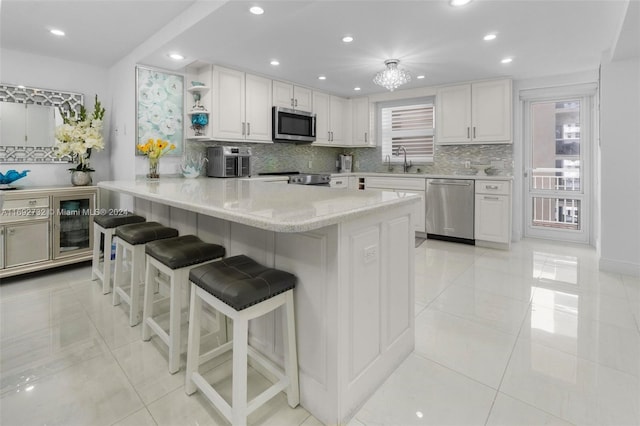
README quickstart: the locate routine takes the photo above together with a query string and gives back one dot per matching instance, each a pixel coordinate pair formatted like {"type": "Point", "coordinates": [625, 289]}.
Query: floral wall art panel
{"type": "Point", "coordinates": [159, 107]}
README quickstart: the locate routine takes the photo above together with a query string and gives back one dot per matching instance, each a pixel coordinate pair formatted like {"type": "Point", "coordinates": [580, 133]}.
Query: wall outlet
{"type": "Point", "coordinates": [357, 164]}
{"type": "Point", "coordinates": [467, 164]}
{"type": "Point", "coordinates": [310, 164]}
{"type": "Point", "coordinates": [370, 254]}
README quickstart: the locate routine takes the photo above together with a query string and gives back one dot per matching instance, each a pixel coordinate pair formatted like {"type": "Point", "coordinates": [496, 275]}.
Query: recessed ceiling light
{"type": "Point", "coordinates": [176, 56]}
{"type": "Point", "coordinates": [506, 60]}
{"type": "Point", "coordinates": [54, 31]}
{"type": "Point", "coordinates": [458, 3]}
{"type": "Point", "coordinates": [274, 62]}
{"type": "Point", "coordinates": [420, 77]}
{"type": "Point", "coordinates": [322, 77]}
{"type": "Point", "coordinates": [489, 37]}
{"type": "Point", "coordinates": [347, 39]}
{"type": "Point", "coordinates": [356, 88]}
{"type": "Point", "coordinates": [21, 86]}
{"type": "Point", "coordinates": [256, 10]}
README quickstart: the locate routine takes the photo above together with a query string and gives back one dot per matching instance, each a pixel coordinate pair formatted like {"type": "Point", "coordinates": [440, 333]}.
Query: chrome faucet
{"type": "Point", "coordinates": [405, 166]}
{"type": "Point", "coordinates": [388, 161]}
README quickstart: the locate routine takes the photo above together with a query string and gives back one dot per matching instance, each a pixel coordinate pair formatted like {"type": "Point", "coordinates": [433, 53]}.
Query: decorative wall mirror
{"type": "Point", "coordinates": [28, 117]}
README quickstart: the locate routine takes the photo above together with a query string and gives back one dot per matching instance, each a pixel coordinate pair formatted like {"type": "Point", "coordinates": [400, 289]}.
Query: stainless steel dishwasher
{"type": "Point", "coordinates": [449, 213]}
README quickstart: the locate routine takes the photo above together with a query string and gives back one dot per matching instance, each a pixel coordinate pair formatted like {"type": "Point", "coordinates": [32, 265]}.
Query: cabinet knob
{"type": "Point", "coordinates": [491, 186]}
{"type": "Point", "coordinates": [491, 198]}
{"type": "Point", "coordinates": [33, 202]}
{"type": "Point", "coordinates": [248, 129]}
{"type": "Point", "coordinates": [365, 137]}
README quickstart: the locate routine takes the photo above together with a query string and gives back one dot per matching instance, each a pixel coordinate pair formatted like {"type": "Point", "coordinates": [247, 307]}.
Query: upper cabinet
{"type": "Point", "coordinates": [479, 112]}
{"type": "Point", "coordinates": [241, 106]}
{"type": "Point", "coordinates": [361, 122]}
{"type": "Point", "coordinates": [289, 96]}
{"type": "Point", "coordinates": [332, 114]}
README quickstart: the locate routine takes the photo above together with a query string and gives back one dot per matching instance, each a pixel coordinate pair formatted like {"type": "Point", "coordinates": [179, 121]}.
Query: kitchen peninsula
{"type": "Point", "coordinates": [353, 254]}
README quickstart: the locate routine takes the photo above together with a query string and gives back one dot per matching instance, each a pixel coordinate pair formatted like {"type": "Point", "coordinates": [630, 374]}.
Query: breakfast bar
{"type": "Point", "coordinates": [353, 254]}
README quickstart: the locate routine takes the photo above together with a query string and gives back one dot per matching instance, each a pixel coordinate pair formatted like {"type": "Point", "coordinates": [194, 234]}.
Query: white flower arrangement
{"type": "Point", "coordinates": [79, 134]}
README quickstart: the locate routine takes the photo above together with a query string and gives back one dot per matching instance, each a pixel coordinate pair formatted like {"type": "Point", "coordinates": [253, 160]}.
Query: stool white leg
{"type": "Point", "coordinates": [175, 307]}
{"type": "Point", "coordinates": [106, 274]}
{"type": "Point", "coordinates": [137, 276]}
{"type": "Point", "coordinates": [291, 352]}
{"type": "Point", "coordinates": [193, 344]}
{"type": "Point", "coordinates": [239, 381]}
{"type": "Point", "coordinates": [117, 280]}
{"type": "Point", "coordinates": [147, 310]}
{"type": "Point", "coordinates": [95, 262]}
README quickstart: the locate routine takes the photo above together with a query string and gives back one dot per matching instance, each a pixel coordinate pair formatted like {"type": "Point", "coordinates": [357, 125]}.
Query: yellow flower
{"type": "Point", "coordinates": [155, 148]}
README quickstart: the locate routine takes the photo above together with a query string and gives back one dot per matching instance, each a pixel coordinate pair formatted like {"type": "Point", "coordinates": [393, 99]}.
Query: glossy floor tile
{"type": "Point", "coordinates": [531, 336]}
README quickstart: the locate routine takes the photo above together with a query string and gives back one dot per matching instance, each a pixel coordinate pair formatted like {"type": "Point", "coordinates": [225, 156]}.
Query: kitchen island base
{"type": "Point", "coordinates": [354, 298]}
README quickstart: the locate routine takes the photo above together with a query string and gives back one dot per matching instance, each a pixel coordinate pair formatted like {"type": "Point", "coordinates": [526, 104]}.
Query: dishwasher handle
{"type": "Point", "coordinates": [450, 183]}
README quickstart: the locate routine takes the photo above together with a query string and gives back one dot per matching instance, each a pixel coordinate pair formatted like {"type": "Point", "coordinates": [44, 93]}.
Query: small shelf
{"type": "Point", "coordinates": [198, 138]}
{"type": "Point", "coordinates": [197, 89]}
{"type": "Point", "coordinates": [197, 111]}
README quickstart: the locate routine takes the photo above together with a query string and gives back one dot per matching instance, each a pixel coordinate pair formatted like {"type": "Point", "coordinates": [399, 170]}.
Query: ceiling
{"type": "Point", "coordinates": [544, 37]}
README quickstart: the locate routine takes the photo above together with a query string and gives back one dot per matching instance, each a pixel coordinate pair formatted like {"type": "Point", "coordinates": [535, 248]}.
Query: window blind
{"type": "Point", "coordinates": [410, 126]}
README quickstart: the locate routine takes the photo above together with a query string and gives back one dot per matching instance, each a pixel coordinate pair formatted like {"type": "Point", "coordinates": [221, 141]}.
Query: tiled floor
{"type": "Point", "coordinates": [531, 336]}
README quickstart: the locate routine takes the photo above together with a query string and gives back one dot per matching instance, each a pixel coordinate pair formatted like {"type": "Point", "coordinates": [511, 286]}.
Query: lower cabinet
{"type": "Point", "coordinates": [407, 186]}
{"type": "Point", "coordinates": [25, 243]}
{"type": "Point", "coordinates": [493, 212]}
{"type": "Point", "coordinates": [41, 229]}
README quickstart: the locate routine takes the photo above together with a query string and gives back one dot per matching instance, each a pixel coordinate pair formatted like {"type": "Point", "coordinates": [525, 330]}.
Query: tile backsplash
{"type": "Point", "coordinates": [279, 157]}
{"type": "Point", "coordinates": [448, 159]}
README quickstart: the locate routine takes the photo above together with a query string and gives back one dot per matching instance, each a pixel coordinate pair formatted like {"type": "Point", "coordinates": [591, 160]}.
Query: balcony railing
{"type": "Point", "coordinates": [556, 179]}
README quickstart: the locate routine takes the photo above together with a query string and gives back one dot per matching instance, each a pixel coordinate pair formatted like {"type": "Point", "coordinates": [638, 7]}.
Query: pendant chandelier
{"type": "Point", "coordinates": [392, 76]}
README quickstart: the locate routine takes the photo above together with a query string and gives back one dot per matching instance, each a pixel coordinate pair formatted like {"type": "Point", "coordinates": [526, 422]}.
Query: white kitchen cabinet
{"type": "Point", "coordinates": [404, 185]}
{"type": "Point", "coordinates": [493, 212]}
{"type": "Point", "coordinates": [241, 106]}
{"type": "Point", "coordinates": [331, 115]}
{"type": "Point", "coordinates": [361, 122]}
{"type": "Point", "coordinates": [289, 96]}
{"type": "Point", "coordinates": [479, 112]}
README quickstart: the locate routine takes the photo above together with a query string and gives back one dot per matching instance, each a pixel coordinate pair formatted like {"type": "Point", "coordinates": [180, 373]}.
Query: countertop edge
{"type": "Point", "coordinates": [264, 223]}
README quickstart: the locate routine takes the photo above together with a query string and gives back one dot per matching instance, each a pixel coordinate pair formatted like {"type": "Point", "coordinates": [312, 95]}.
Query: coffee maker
{"type": "Point", "coordinates": [345, 163]}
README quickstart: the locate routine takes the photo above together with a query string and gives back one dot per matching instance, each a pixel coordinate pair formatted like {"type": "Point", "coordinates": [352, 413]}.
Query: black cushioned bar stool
{"type": "Point", "coordinates": [133, 239]}
{"type": "Point", "coordinates": [105, 225]}
{"type": "Point", "coordinates": [174, 257]}
{"type": "Point", "coordinates": [242, 289]}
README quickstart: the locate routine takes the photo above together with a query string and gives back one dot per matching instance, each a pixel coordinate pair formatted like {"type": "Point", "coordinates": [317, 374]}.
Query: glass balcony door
{"type": "Point", "coordinates": [558, 142]}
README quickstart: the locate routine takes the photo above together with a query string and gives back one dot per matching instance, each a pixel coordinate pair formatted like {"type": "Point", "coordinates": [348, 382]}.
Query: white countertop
{"type": "Point", "coordinates": [270, 206]}
{"type": "Point", "coordinates": [426, 175]}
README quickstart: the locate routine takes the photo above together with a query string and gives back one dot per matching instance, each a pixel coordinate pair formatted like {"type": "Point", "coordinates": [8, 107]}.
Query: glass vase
{"type": "Point", "coordinates": [154, 164]}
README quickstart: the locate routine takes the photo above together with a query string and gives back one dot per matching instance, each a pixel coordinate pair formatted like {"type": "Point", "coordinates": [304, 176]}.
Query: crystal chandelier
{"type": "Point", "coordinates": [392, 76]}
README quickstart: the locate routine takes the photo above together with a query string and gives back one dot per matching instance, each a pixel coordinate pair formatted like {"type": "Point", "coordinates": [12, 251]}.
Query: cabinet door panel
{"type": "Point", "coordinates": [337, 119]}
{"type": "Point", "coordinates": [360, 111]}
{"type": "Point", "coordinates": [26, 243]}
{"type": "Point", "coordinates": [453, 114]}
{"type": "Point", "coordinates": [303, 98]}
{"type": "Point", "coordinates": [491, 111]}
{"type": "Point", "coordinates": [282, 94]}
{"type": "Point", "coordinates": [321, 108]}
{"type": "Point", "coordinates": [229, 104]}
{"type": "Point", "coordinates": [492, 218]}
{"type": "Point", "coordinates": [258, 108]}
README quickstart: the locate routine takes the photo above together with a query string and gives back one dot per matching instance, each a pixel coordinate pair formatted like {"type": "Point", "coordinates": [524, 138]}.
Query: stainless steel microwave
{"type": "Point", "coordinates": [293, 126]}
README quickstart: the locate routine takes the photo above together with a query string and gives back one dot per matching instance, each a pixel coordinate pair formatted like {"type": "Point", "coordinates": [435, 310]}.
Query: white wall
{"type": "Point", "coordinates": [51, 73]}
{"type": "Point", "coordinates": [620, 166]}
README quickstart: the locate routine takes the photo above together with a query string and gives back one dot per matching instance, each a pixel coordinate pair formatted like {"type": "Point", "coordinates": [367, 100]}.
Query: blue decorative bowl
{"type": "Point", "coordinates": [11, 176]}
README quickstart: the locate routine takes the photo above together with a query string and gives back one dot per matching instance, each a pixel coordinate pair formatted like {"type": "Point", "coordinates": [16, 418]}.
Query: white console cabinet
{"type": "Point", "coordinates": [44, 228]}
